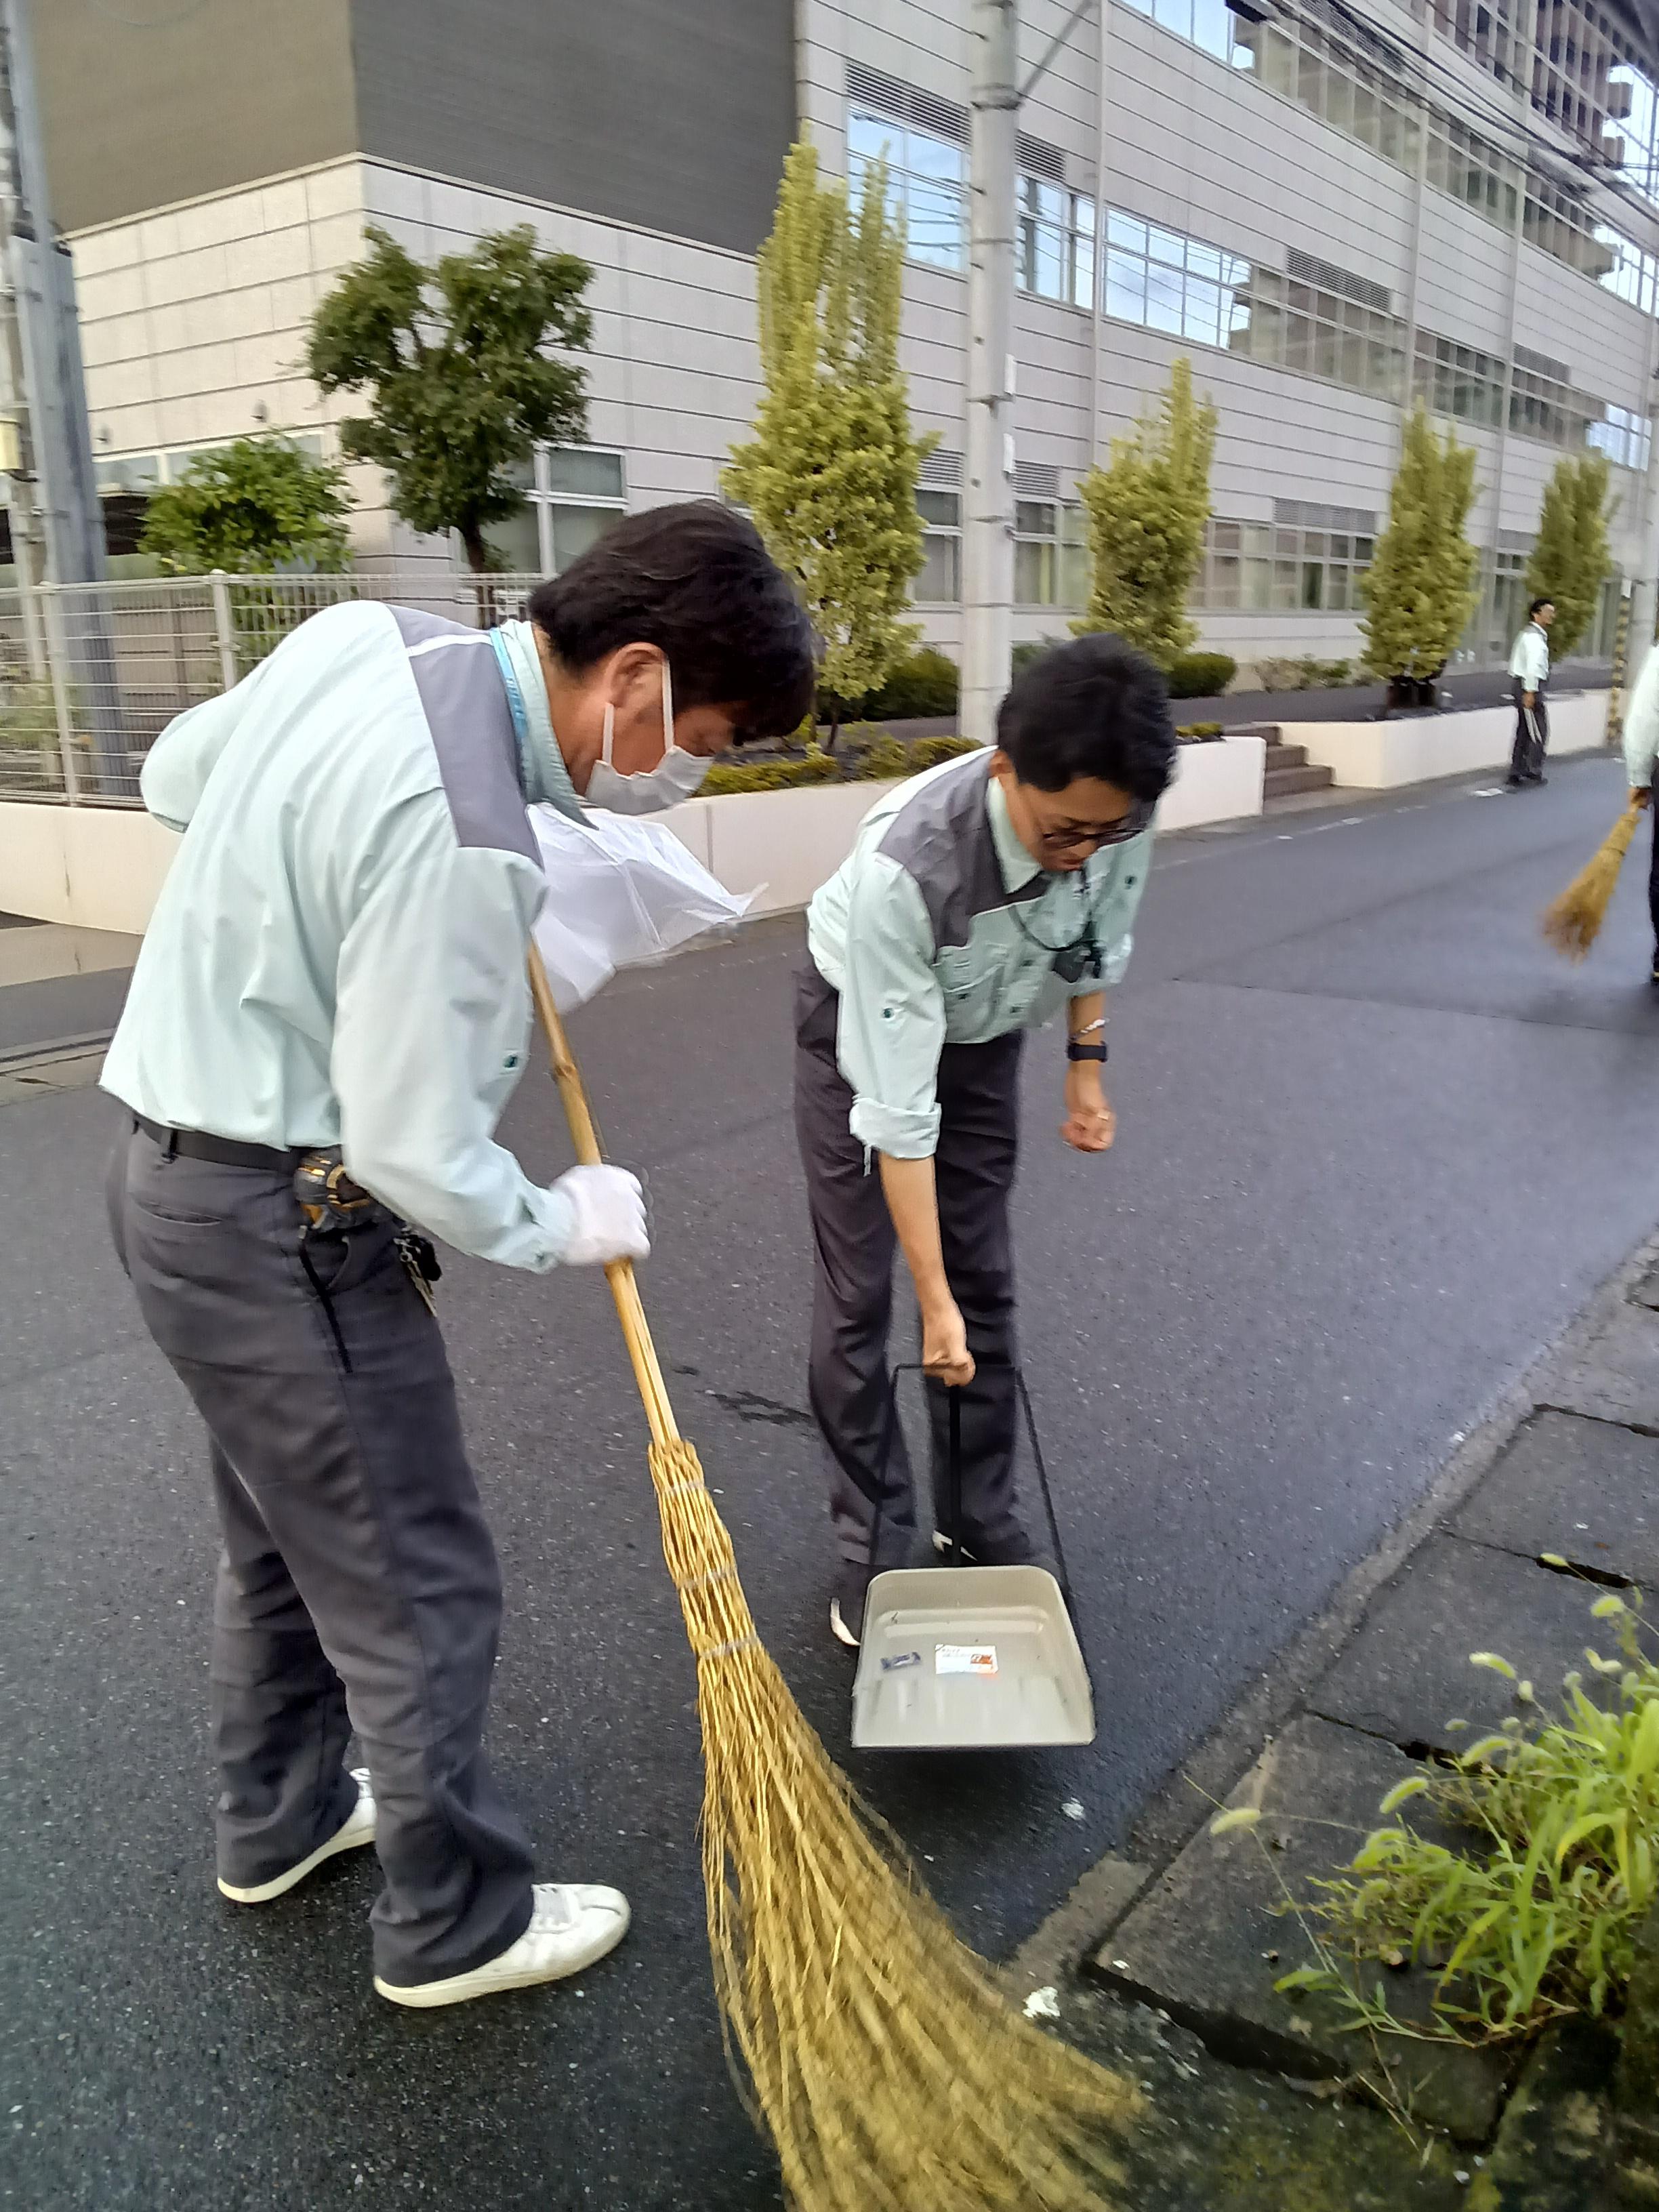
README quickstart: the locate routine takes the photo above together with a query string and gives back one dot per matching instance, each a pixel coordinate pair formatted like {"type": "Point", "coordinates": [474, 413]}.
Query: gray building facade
{"type": "Point", "coordinates": [1330, 211]}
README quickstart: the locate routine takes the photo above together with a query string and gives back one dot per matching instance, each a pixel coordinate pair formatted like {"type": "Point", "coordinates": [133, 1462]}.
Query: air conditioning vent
{"type": "Point", "coordinates": [1307, 269]}
{"type": "Point", "coordinates": [1038, 159]}
{"type": "Point", "coordinates": [1307, 515]}
{"type": "Point", "coordinates": [941, 470]}
{"type": "Point", "coordinates": [906, 103]}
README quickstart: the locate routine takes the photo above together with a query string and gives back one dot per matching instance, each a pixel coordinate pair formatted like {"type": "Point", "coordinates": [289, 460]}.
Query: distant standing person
{"type": "Point", "coordinates": [1530, 673]}
{"type": "Point", "coordinates": [1641, 750]}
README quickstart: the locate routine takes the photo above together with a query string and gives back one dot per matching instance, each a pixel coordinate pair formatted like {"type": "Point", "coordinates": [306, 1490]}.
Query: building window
{"type": "Point", "coordinates": [1456, 379]}
{"type": "Point", "coordinates": [1501, 608]}
{"type": "Point", "coordinates": [926, 182]}
{"type": "Point", "coordinates": [1318, 332]}
{"type": "Point", "coordinates": [137, 473]}
{"type": "Point", "coordinates": [1544, 405]}
{"type": "Point", "coordinates": [1209, 24]}
{"type": "Point", "coordinates": [1329, 64]}
{"type": "Point", "coordinates": [1051, 553]}
{"type": "Point", "coordinates": [938, 582]}
{"type": "Point", "coordinates": [1631, 127]}
{"type": "Point", "coordinates": [1559, 223]}
{"type": "Point", "coordinates": [1583, 74]}
{"type": "Point", "coordinates": [572, 493]}
{"type": "Point", "coordinates": [1258, 567]}
{"type": "Point", "coordinates": [1472, 169]}
{"type": "Point", "coordinates": [1167, 282]}
{"type": "Point", "coordinates": [1624, 436]}
{"type": "Point", "coordinates": [1324, 60]}
{"type": "Point", "coordinates": [1485, 30]}
{"type": "Point", "coordinates": [1055, 248]}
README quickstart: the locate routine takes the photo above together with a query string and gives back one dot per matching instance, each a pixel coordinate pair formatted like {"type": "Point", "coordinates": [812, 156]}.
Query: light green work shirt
{"type": "Point", "coordinates": [939, 928]}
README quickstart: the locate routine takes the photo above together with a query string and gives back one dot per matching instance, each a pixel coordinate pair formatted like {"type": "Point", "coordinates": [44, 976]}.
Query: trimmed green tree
{"type": "Point", "coordinates": [1420, 589]}
{"type": "Point", "coordinates": [1572, 558]}
{"type": "Point", "coordinates": [256, 504]}
{"type": "Point", "coordinates": [460, 391]}
{"type": "Point", "coordinates": [1147, 508]}
{"type": "Point", "coordinates": [830, 474]}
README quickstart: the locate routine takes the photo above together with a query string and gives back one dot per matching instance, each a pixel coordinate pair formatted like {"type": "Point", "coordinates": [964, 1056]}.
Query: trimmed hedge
{"type": "Point", "coordinates": [876, 759]}
{"type": "Point", "coordinates": [1201, 675]}
{"type": "Point", "coordinates": [924, 684]}
{"type": "Point", "coordinates": [871, 758]}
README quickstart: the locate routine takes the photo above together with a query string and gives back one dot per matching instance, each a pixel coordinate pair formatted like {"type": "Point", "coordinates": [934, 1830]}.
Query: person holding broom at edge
{"type": "Point", "coordinates": [982, 899]}
{"type": "Point", "coordinates": [328, 1016]}
{"type": "Point", "coordinates": [1641, 750]}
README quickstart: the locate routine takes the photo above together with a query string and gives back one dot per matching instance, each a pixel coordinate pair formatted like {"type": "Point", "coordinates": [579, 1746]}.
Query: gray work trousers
{"type": "Point", "coordinates": [853, 1240]}
{"type": "Point", "coordinates": [1532, 735]}
{"type": "Point", "coordinates": [358, 1586]}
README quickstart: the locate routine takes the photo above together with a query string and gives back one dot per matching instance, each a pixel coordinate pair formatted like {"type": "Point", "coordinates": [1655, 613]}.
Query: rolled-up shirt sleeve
{"type": "Point", "coordinates": [432, 1031]}
{"type": "Point", "coordinates": [892, 1015]}
{"type": "Point", "coordinates": [1119, 904]}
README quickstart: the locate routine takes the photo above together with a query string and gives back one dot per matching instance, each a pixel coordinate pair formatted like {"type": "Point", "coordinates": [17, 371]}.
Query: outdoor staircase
{"type": "Point", "coordinates": [1288, 772]}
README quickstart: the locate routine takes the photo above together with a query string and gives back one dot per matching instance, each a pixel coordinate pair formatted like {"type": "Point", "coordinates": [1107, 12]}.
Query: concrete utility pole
{"type": "Point", "coordinates": [59, 505]}
{"type": "Point", "coordinates": [1645, 586]}
{"type": "Point", "coordinates": [987, 544]}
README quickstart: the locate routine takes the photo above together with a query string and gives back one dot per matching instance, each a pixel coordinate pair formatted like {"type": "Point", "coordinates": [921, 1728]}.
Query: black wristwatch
{"type": "Point", "coordinates": [1076, 1051]}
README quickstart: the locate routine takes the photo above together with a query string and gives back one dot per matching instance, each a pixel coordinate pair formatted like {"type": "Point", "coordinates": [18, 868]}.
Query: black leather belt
{"type": "Point", "coordinates": [224, 1151]}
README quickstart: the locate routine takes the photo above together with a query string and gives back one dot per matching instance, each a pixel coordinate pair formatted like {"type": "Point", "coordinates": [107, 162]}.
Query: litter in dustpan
{"type": "Point", "coordinates": [970, 1658]}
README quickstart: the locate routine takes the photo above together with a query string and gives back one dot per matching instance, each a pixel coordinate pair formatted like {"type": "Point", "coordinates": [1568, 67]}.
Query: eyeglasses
{"type": "Point", "coordinates": [1117, 833]}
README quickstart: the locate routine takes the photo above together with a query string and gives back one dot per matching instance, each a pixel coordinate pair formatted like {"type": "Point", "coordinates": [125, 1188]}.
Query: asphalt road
{"type": "Point", "coordinates": [1377, 1146]}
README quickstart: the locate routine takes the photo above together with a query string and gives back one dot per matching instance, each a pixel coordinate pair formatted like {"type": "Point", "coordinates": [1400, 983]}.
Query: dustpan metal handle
{"type": "Point", "coordinates": [884, 1457]}
{"type": "Point", "coordinates": [624, 1287]}
{"type": "Point", "coordinates": [953, 1464]}
{"type": "Point", "coordinates": [1063, 1577]}
{"type": "Point", "coordinates": [953, 1471]}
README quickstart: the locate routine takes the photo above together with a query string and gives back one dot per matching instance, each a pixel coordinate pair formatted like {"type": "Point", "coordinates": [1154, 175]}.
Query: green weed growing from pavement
{"type": "Point", "coordinates": [1536, 1918]}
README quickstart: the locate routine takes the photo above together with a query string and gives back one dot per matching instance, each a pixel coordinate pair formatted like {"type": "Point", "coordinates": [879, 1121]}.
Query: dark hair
{"type": "Point", "coordinates": [1548, 600]}
{"type": "Point", "coordinates": [1093, 707]}
{"type": "Point", "coordinates": [694, 580]}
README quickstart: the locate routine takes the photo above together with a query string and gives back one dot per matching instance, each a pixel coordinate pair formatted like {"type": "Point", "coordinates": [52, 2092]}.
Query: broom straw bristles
{"type": "Point", "coordinates": [1573, 922]}
{"type": "Point", "coordinates": [888, 2069]}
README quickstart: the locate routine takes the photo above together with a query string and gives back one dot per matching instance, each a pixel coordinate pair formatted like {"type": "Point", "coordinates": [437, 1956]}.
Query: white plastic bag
{"type": "Point", "coordinates": [620, 892]}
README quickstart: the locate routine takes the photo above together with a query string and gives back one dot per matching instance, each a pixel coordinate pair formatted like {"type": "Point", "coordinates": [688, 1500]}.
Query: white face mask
{"type": "Point", "coordinates": [675, 777]}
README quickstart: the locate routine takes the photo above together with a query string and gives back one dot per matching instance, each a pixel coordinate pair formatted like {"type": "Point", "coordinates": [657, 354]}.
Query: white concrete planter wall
{"type": "Point", "coordinates": [782, 843]}
{"type": "Point", "coordinates": [98, 868]}
{"type": "Point", "coordinates": [1215, 781]}
{"type": "Point", "coordinates": [1382, 756]}
{"type": "Point", "coordinates": [102, 868]}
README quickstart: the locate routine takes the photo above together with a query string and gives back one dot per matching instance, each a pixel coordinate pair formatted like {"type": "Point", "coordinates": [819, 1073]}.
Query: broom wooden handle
{"type": "Point", "coordinates": [624, 1287]}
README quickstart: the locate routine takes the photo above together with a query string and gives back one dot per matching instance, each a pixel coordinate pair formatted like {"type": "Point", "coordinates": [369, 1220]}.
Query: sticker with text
{"type": "Point", "coordinates": [964, 1659]}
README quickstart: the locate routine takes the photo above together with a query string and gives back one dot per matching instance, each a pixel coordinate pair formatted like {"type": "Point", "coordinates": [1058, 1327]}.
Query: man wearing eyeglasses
{"type": "Point", "coordinates": [981, 900]}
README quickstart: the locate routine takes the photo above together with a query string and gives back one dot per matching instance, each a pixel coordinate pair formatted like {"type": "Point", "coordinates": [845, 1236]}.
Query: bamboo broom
{"type": "Point", "coordinates": [887, 2067]}
{"type": "Point", "coordinates": [1573, 922]}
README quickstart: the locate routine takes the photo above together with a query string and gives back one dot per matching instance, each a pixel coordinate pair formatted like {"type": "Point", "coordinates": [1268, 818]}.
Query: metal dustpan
{"type": "Point", "coordinates": [970, 1658]}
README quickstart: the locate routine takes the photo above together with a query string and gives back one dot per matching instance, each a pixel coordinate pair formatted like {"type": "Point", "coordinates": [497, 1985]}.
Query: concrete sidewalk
{"type": "Point", "coordinates": [1164, 1960]}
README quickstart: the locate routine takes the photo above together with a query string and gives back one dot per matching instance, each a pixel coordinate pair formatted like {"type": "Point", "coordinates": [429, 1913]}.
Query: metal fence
{"type": "Point", "coordinates": [91, 674]}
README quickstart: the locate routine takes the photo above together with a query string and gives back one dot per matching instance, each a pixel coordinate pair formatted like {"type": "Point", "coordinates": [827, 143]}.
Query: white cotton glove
{"type": "Point", "coordinates": [607, 1207]}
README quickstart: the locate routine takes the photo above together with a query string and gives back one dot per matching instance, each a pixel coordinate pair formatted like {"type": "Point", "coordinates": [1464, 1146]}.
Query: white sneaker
{"type": "Point", "coordinates": [358, 1829]}
{"type": "Point", "coordinates": [572, 1924]}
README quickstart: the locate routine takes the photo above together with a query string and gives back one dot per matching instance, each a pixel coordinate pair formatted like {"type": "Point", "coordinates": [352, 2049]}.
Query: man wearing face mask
{"type": "Point", "coordinates": [327, 1017]}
